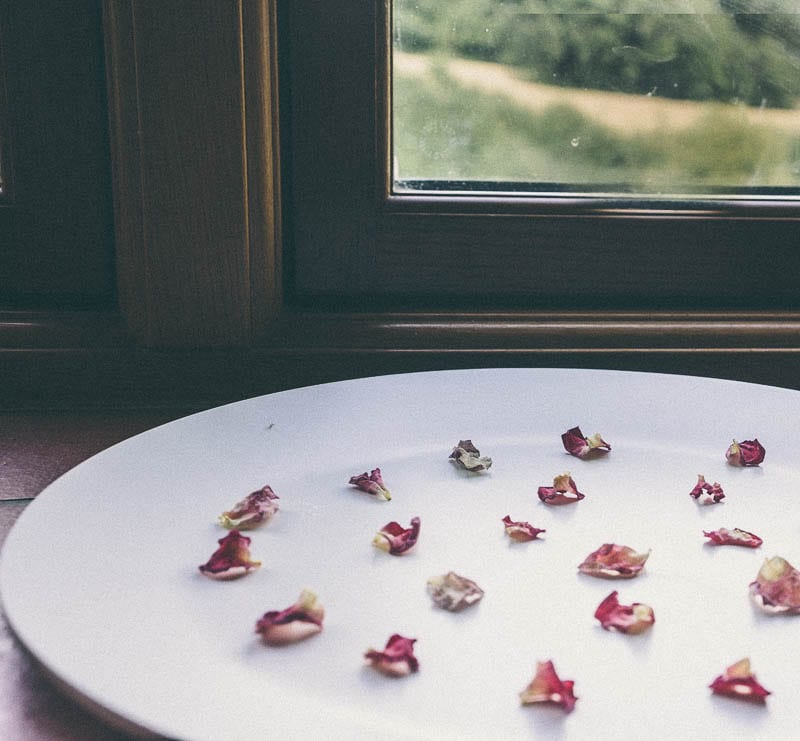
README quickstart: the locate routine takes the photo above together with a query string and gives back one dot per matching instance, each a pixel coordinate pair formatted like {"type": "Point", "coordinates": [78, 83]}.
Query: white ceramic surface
{"type": "Point", "coordinates": [99, 576]}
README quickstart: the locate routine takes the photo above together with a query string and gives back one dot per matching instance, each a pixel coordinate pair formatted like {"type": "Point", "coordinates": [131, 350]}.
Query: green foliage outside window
{"type": "Point", "coordinates": [697, 50]}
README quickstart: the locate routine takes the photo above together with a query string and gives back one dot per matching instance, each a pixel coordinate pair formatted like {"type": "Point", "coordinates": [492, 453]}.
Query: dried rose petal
{"type": "Point", "coordinates": [372, 484]}
{"type": "Point", "coordinates": [396, 539]}
{"type": "Point", "coordinates": [777, 587]}
{"type": "Point", "coordinates": [453, 592]}
{"type": "Point", "coordinates": [563, 491]}
{"type": "Point", "coordinates": [301, 620]}
{"type": "Point", "coordinates": [397, 659]}
{"type": "Point", "coordinates": [547, 687]}
{"type": "Point", "coordinates": [611, 561]}
{"type": "Point", "coordinates": [521, 531]}
{"type": "Point", "coordinates": [232, 559]}
{"type": "Point", "coordinates": [466, 455]}
{"type": "Point", "coordinates": [634, 618]}
{"type": "Point", "coordinates": [745, 453]}
{"type": "Point", "coordinates": [738, 681]}
{"type": "Point", "coordinates": [253, 510]}
{"type": "Point", "coordinates": [583, 447]}
{"type": "Point", "coordinates": [723, 536]}
{"type": "Point", "coordinates": [705, 493]}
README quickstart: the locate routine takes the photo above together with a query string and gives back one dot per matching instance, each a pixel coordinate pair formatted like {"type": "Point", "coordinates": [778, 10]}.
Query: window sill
{"type": "Point", "coordinates": [52, 360]}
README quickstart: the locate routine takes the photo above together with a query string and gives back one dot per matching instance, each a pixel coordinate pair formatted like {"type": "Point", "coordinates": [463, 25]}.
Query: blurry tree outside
{"type": "Point", "coordinates": [637, 96]}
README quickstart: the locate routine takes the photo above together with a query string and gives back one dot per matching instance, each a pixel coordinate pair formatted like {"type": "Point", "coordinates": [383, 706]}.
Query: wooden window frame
{"type": "Point", "coordinates": [210, 306]}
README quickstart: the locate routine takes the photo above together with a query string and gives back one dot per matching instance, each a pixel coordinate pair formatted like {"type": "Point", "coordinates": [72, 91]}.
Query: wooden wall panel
{"type": "Point", "coordinates": [187, 232]}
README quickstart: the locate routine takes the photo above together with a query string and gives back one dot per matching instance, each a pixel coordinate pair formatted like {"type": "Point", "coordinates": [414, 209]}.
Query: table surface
{"type": "Point", "coordinates": [35, 449]}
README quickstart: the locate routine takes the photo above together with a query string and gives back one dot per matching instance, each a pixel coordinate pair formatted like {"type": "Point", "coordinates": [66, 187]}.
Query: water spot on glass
{"type": "Point", "coordinates": [575, 141]}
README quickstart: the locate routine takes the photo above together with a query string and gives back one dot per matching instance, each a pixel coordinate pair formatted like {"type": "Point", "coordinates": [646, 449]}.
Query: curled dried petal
{"type": "Point", "coordinates": [634, 618]}
{"type": "Point", "coordinates": [583, 447]}
{"type": "Point", "coordinates": [232, 559]}
{"type": "Point", "coordinates": [745, 453]}
{"type": "Point", "coordinates": [563, 491]}
{"type": "Point", "coordinates": [301, 620]}
{"type": "Point", "coordinates": [777, 587]}
{"type": "Point", "coordinates": [253, 510]}
{"type": "Point", "coordinates": [547, 687]}
{"type": "Point", "coordinates": [738, 681]}
{"type": "Point", "coordinates": [612, 561]}
{"type": "Point", "coordinates": [397, 659]}
{"type": "Point", "coordinates": [371, 483]}
{"type": "Point", "coordinates": [706, 493]}
{"type": "Point", "coordinates": [453, 592]}
{"type": "Point", "coordinates": [521, 531]}
{"type": "Point", "coordinates": [723, 536]}
{"type": "Point", "coordinates": [396, 539]}
{"type": "Point", "coordinates": [466, 455]}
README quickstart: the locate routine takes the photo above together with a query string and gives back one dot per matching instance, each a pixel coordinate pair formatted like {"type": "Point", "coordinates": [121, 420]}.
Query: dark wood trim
{"type": "Point", "coordinates": [354, 244]}
{"type": "Point", "coordinates": [263, 162]}
{"type": "Point", "coordinates": [59, 361]}
{"type": "Point", "coordinates": [195, 157]}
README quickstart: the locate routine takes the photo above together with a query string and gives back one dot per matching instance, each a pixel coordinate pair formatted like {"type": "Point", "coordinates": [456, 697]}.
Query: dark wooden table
{"type": "Point", "coordinates": [36, 448]}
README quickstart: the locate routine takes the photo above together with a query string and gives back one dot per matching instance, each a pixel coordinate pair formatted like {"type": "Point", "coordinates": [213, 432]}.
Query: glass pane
{"type": "Point", "coordinates": [673, 98]}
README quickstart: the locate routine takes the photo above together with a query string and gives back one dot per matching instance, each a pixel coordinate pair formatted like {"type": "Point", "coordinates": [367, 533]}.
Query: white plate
{"type": "Point", "coordinates": [99, 576]}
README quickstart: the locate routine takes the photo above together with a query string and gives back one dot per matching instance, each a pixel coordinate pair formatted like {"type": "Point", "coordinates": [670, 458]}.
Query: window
{"type": "Point", "coordinates": [640, 98]}
{"type": "Point", "coordinates": [230, 285]}
{"type": "Point", "coordinates": [360, 244]}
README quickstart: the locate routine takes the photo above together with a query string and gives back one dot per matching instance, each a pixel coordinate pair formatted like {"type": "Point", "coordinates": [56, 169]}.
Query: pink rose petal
{"type": "Point", "coordinates": [723, 536]}
{"type": "Point", "coordinates": [739, 682]}
{"type": "Point", "coordinates": [295, 623]}
{"type": "Point", "coordinates": [521, 531]}
{"type": "Point", "coordinates": [397, 659]}
{"type": "Point", "coordinates": [253, 510]}
{"type": "Point", "coordinates": [371, 483]}
{"type": "Point", "coordinates": [634, 618]}
{"type": "Point", "coordinates": [453, 592]}
{"type": "Point", "coordinates": [546, 687]}
{"type": "Point", "coordinates": [575, 443]}
{"type": "Point", "coordinates": [776, 589]}
{"type": "Point", "coordinates": [396, 539]}
{"type": "Point", "coordinates": [232, 559]}
{"type": "Point", "coordinates": [612, 561]}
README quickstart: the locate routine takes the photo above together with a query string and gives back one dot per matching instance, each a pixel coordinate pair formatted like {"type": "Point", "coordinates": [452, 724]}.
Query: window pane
{"type": "Point", "coordinates": [685, 98]}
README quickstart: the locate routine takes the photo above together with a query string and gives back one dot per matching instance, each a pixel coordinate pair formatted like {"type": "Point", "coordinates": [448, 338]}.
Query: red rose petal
{"type": "Point", "coordinates": [546, 687]}
{"type": "Point", "coordinates": [232, 559]}
{"type": "Point", "coordinates": [634, 618]}
{"type": "Point", "coordinates": [575, 443]}
{"type": "Point", "coordinates": [521, 531]}
{"type": "Point", "coordinates": [739, 682]}
{"type": "Point", "coordinates": [301, 620]}
{"type": "Point", "coordinates": [396, 539]}
{"type": "Point", "coordinates": [397, 659]}
{"type": "Point", "coordinates": [745, 453]}
{"type": "Point", "coordinates": [563, 491]}
{"type": "Point", "coordinates": [706, 493]}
